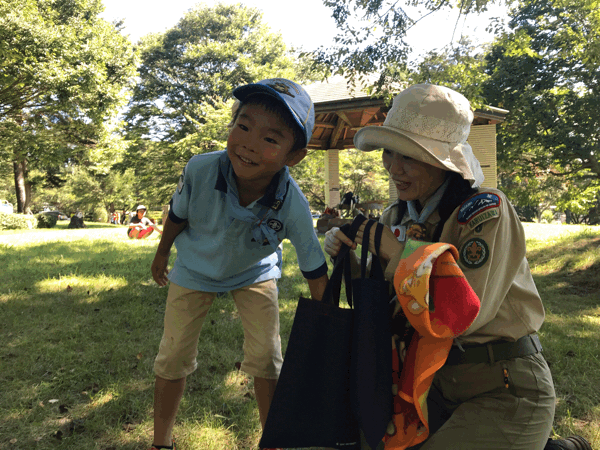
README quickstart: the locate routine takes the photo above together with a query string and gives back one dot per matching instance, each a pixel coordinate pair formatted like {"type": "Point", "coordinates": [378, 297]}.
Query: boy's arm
{"type": "Point", "coordinates": [317, 287]}
{"type": "Point", "coordinates": [161, 259]}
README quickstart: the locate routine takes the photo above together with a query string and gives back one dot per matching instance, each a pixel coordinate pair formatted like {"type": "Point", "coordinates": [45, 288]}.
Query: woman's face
{"type": "Point", "coordinates": [414, 179]}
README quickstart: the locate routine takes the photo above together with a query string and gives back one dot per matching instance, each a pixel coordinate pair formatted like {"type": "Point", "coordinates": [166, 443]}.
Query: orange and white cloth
{"type": "Point", "coordinates": [440, 304]}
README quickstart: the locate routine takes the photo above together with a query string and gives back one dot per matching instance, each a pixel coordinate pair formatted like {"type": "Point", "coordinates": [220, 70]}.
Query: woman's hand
{"type": "Point", "coordinates": [334, 239]}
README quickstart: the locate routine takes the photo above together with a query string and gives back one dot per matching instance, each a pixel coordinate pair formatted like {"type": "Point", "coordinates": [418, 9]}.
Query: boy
{"type": "Point", "coordinates": [229, 214]}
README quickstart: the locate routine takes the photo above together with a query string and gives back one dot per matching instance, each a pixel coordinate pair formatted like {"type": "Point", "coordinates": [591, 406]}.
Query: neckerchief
{"type": "Point", "coordinates": [259, 228]}
{"type": "Point", "coordinates": [419, 219]}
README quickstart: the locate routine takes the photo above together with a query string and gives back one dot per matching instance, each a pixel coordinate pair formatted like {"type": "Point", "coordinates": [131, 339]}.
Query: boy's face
{"type": "Point", "coordinates": [259, 144]}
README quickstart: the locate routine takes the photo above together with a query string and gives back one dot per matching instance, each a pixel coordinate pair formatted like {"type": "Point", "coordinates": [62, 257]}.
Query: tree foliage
{"type": "Point", "coordinates": [372, 35]}
{"type": "Point", "coordinates": [461, 68]}
{"type": "Point", "coordinates": [546, 72]}
{"type": "Point", "coordinates": [199, 62]}
{"type": "Point", "coordinates": [63, 72]}
{"type": "Point", "coordinates": [360, 172]}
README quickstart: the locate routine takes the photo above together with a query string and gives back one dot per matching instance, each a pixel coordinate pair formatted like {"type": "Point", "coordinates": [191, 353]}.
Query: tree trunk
{"type": "Point", "coordinates": [21, 186]}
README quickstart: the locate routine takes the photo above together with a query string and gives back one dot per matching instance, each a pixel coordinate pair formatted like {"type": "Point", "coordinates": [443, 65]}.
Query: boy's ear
{"type": "Point", "coordinates": [296, 157]}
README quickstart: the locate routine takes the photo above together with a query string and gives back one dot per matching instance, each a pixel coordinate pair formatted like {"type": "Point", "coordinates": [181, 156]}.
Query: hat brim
{"type": "Point", "coordinates": [443, 155]}
{"type": "Point", "coordinates": [243, 92]}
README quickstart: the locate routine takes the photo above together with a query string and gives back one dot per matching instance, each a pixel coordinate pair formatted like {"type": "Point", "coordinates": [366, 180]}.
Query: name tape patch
{"type": "Point", "coordinates": [478, 204]}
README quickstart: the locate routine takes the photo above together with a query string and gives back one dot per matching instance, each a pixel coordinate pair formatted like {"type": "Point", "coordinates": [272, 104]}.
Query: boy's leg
{"type": "Point", "coordinates": [167, 396]}
{"type": "Point", "coordinates": [133, 233]}
{"type": "Point", "coordinates": [264, 388]}
{"type": "Point", "coordinates": [185, 312]}
{"type": "Point", "coordinates": [259, 310]}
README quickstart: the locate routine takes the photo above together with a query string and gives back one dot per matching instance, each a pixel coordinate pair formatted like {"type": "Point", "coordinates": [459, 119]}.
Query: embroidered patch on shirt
{"type": "Point", "coordinates": [400, 232]}
{"type": "Point", "coordinates": [474, 253]}
{"type": "Point", "coordinates": [482, 207]}
{"type": "Point", "coordinates": [180, 184]}
{"type": "Point", "coordinates": [275, 225]}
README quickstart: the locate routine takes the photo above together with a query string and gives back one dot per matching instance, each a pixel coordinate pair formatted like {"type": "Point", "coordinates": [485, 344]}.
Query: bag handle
{"type": "Point", "coordinates": [342, 260]}
{"type": "Point", "coordinates": [376, 269]}
{"type": "Point", "coordinates": [364, 256]}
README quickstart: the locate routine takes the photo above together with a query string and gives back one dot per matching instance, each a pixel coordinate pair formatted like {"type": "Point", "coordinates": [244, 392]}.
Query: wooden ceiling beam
{"type": "Point", "coordinates": [367, 115]}
{"type": "Point", "coordinates": [335, 135]}
{"type": "Point", "coordinates": [342, 115]}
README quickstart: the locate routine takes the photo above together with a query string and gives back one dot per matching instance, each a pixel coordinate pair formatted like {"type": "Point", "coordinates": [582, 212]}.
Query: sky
{"type": "Point", "coordinates": [308, 26]}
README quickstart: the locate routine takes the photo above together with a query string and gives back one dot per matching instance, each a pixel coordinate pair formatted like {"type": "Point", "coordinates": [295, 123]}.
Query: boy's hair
{"type": "Point", "coordinates": [271, 104]}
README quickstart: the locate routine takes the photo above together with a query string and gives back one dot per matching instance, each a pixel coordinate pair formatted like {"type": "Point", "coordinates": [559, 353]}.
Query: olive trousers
{"type": "Point", "coordinates": [501, 406]}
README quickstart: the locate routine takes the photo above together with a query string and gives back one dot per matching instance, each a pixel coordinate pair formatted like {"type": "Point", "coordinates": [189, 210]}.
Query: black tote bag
{"type": "Point", "coordinates": [312, 404]}
{"type": "Point", "coordinates": [371, 360]}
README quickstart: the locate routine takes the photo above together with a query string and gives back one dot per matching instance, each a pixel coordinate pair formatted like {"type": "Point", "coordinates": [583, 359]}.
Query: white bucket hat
{"type": "Point", "coordinates": [431, 124]}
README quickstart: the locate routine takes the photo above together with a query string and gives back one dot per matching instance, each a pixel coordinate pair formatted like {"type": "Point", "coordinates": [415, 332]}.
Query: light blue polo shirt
{"type": "Point", "coordinates": [226, 246]}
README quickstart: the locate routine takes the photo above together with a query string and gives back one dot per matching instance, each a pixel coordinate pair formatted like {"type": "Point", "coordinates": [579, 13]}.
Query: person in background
{"type": "Point", "coordinates": [140, 227]}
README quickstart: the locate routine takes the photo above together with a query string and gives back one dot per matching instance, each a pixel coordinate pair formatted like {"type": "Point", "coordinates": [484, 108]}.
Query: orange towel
{"type": "Point", "coordinates": [440, 304]}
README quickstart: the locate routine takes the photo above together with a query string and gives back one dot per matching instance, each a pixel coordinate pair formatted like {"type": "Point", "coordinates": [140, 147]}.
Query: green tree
{"type": "Point", "coordinates": [63, 74]}
{"type": "Point", "coordinates": [545, 71]}
{"type": "Point", "coordinates": [372, 35]}
{"type": "Point", "coordinates": [310, 176]}
{"type": "Point", "coordinates": [363, 174]}
{"type": "Point", "coordinates": [199, 62]}
{"type": "Point", "coordinates": [461, 67]}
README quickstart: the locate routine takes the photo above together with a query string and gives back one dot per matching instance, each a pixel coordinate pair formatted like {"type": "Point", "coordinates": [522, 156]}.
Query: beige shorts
{"type": "Point", "coordinates": [184, 316]}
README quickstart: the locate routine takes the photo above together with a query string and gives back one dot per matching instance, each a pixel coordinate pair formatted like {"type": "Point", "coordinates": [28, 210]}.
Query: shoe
{"type": "Point", "coordinates": [155, 448]}
{"type": "Point", "coordinates": [570, 443]}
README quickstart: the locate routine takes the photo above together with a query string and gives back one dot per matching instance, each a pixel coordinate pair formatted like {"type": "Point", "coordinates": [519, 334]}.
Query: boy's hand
{"type": "Point", "coordinates": [334, 239]}
{"type": "Point", "coordinates": [159, 269]}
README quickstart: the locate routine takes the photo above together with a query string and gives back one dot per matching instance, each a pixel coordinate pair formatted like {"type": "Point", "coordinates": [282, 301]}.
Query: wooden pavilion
{"type": "Point", "coordinates": [341, 111]}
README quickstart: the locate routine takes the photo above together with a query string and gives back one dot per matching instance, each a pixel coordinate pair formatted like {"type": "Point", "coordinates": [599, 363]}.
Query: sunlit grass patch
{"type": "Point", "coordinates": [74, 284]}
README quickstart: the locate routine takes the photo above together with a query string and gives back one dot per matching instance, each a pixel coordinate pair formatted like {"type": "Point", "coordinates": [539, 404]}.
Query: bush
{"type": "Point", "coordinates": [547, 216]}
{"type": "Point", "coordinates": [17, 221]}
{"type": "Point", "coordinates": [100, 215]}
{"type": "Point", "coordinates": [46, 220]}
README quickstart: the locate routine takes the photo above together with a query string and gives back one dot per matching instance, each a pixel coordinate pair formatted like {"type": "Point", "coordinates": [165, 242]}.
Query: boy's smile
{"type": "Point", "coordinates": [259, 146]}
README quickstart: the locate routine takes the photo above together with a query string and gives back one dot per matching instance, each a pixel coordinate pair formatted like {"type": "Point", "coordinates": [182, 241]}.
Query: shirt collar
{"type": "Point", "coordinates": [276, 190]}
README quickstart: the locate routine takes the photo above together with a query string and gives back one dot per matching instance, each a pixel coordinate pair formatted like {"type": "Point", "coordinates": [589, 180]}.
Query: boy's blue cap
{"type": "Point", "coordinates": [291, 94]}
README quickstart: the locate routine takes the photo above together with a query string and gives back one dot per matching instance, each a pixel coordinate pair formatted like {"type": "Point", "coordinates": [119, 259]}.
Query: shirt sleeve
{"type": "Point", "coordinates": [308, 248]}
{"type": "Point", "coordinates": [178, 212]}
{"type": "Point", "coordinates": [491, 252]}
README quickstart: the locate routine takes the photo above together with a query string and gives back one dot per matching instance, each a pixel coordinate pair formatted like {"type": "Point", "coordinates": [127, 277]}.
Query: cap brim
{"type": "Point", "coordinates": [243, 92]}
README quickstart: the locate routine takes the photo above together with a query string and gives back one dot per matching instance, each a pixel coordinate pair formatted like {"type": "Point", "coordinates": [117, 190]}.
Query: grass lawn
{"type": "Point", "coordinates": [82, 319]}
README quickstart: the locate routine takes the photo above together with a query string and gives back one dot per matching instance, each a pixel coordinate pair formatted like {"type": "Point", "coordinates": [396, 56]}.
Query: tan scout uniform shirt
{"type": "Point", "coordinates": [492, 256]}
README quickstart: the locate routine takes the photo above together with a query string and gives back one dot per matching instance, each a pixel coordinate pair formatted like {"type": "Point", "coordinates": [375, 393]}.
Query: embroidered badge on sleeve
{"type": "Point", "coordinates": [474, 253]}
{"type": "Point", "coordinates": [478, 209]}
{"type": "Point", "coordinates": [180, 183]}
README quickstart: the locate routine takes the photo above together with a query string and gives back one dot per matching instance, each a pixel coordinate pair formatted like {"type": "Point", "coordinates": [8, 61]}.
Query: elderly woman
{"type": "Point", "coordinates": [495, 389]}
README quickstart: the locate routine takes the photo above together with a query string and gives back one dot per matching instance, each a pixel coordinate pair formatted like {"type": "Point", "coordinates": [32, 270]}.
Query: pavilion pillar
{"type": "Point", "coordinates": [332, 177]}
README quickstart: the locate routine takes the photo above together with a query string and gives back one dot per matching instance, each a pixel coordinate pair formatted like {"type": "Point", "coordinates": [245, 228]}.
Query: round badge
{"type": "Point", "coordinates": [474, 253]}
{"type": "Point", "coordinates": [275, 225]}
